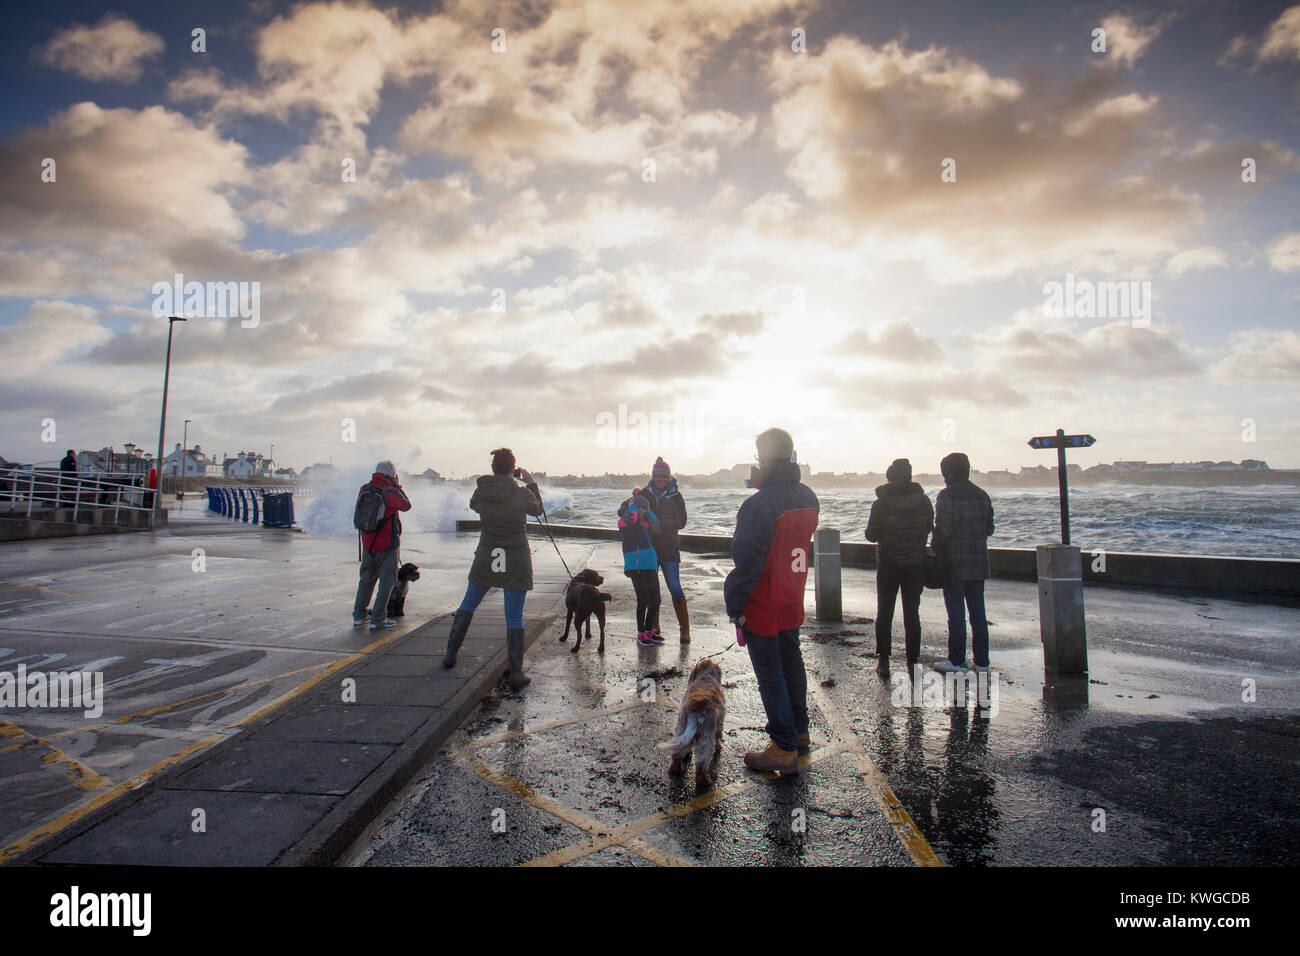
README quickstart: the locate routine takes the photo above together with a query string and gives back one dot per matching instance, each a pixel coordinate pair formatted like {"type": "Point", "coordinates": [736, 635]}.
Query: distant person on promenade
{"type": "Point", "coordinates": [68, 469]}
{"type": "Point", "coordinates": [381, 498]}
{"type": "Point", "coordinates": [637, 527]}
{"type": "Point", "coordinates": [900, 522]}
{"type": "Point", "coordinates": [503, 559]}
{"type": "Point", "coordinates": [963, 523]}
{"type": "Point", "coordinates": [670, 507]}
{"type": "Point", "coordinates": [772, 548]}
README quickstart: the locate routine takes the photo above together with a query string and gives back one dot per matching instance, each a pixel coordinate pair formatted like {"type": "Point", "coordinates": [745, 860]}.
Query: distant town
{"type": "Point", "coordinates": [193, 462]}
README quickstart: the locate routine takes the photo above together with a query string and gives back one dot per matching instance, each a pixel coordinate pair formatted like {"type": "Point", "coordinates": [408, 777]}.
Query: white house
{"type": "Point", "coordinates": [188, 461]}
{"type": "Point", "coordinates": [249, 464]}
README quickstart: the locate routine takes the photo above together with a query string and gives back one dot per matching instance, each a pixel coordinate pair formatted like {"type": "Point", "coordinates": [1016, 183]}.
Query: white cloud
{"type": "Point", "coordinates": [113, 49]}
{"type": "Point", "coordinates": [1272, 354]}
{"type": "Point", "coordinates": [1202, 257]}
{"type": "Point", "coordinates": [1034, 347]}
{"type": "Point", "coordinates": [1126, 39]}
{"type": "Point", "coordinates": [1284, 252]}
{"type": "Point", "coordinates": [1282, 41]}
{"type": "Point", "coordinates": [51, 330]}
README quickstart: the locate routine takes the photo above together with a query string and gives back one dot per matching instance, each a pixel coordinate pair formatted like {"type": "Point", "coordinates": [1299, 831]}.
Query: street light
{"type": "Point", "coordinates": [184, 458]}
{"type": "Point", "coordinates": [162, 420]}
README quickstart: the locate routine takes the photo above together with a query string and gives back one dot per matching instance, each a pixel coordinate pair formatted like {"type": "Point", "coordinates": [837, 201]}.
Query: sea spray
{"type": "Point", "coordinates": [435, 507]}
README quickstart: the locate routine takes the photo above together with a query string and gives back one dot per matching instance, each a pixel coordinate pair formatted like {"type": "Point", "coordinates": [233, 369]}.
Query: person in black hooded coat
{"type": "Point", "coordinates": [900, 522]}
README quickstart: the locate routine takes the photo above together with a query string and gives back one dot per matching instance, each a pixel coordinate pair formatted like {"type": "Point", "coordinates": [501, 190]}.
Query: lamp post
{"type": "Point", "coordinates": [162, 419]}
{"type": "Point", "coordinates": [272, 459]}
{"type": "Point", "coordinates": [184, 459]}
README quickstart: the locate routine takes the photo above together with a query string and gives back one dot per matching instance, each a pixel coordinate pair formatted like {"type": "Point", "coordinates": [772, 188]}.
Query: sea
{"type": "Point", "coordinates": [1245, 521]}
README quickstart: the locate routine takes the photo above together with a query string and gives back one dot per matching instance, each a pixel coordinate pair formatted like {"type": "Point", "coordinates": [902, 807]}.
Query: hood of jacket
{"type": "Point", "coordinates": [891, 490]}
{"type": "Point", "coordinates": [380, 480]}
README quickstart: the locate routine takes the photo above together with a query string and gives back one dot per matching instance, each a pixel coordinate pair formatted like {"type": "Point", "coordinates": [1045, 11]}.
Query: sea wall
{"type": "Point", "coordinates": [1273, 580]}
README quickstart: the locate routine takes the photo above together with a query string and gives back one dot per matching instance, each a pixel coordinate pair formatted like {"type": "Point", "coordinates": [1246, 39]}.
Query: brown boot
{"type": "Point", "coordinates": [773, 758]}
{"type": "Point", "coordinates": [805, 744]}
{"type": "Point", "coordinates": [683, 619]}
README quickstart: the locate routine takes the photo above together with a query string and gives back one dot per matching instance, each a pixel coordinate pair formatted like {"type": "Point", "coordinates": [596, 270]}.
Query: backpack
{"type": "Point", "coordinates": [370, 509]}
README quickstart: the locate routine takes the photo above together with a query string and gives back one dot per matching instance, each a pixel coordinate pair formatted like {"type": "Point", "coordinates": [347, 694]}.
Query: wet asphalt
{"type": "Point", "coordinates": [1180, 748]}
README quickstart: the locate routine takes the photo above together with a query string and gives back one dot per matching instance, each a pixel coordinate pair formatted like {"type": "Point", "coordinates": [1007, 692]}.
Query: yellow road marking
{"type": "Point", "coordinates": [50, 828]}
{"type": "Point", "coordinates": [626, 834]}
{"type": "Point", "coordinates": [598, 831]}
{"type": "Point", "coordinates": [903, 825]}
{"type": "Point", "coordinates": [76, 771]}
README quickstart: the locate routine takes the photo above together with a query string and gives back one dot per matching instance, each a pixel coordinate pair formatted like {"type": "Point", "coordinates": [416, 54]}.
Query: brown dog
{"type": "Point", "coordinates": [699, 723]}
{"type": "Point", "coordinates": [582, 599]}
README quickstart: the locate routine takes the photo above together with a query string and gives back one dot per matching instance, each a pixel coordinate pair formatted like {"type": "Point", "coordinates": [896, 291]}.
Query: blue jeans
{"type": "Point", "coordinates": [782, 684]}
{"type": "Point", "coordinates": [971, 594]}
{"type": "Point", "coordinates": [672, 578]}
{"type": "Point", "coordinates": [514, 604]}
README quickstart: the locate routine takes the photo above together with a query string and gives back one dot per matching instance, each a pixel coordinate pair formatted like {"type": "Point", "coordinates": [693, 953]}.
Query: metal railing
{"type": "Point", "coordinates": [25, 490]}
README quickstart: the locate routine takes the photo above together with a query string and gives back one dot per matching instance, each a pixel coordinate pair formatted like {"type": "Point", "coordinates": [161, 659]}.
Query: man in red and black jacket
{"type": "Point", "coordinates": [379, 551]}
{"type": "Point", "coordinates": [771, 549]}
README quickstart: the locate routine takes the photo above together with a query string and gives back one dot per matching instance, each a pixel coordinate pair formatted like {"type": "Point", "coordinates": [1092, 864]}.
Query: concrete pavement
{"type": "Point", "coordinates": [1156, 758]}
{"type": "Point", "coordinates": [225, 683]}
{"type": "Point", "coordinates": [225, 649]}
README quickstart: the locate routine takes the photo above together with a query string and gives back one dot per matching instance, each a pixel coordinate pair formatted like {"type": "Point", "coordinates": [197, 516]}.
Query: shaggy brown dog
{"type": "Point", "coordinates": [582, 599]}
{"type": "Point", "coordinates": [699, 723]}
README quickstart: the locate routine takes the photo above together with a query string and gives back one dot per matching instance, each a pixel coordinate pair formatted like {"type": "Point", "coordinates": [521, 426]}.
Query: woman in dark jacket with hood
{"type": "Point", "coordinates": [503, 558]}
{"type": "Point", "coordinates": [670, 507]}
{"type": "Point", "coordinates": [900, 521]}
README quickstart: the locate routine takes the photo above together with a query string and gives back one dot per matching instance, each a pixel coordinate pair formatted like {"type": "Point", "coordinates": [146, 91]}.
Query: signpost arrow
{"type": "Point", "coordinates": [1061, 441]}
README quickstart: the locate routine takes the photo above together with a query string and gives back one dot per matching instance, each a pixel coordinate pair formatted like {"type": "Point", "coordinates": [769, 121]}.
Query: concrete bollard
{"type": "Point", "coordinates": [1060, 609]}
{"type": "Point", "coordinates": [826, 575]}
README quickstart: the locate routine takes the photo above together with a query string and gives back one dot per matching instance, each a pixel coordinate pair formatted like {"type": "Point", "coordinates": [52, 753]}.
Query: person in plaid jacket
{"type": "Point", "coordinates": [963, 522]}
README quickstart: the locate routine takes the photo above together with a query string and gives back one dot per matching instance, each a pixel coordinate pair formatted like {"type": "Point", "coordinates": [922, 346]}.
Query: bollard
{"type": "Point", "coordinates": [826, 575]}
{"type": "Point", "coordinates": [1060, 609]}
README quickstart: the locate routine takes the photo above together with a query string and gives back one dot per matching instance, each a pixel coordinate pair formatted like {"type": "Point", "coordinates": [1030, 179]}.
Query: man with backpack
{"type": "Point", "coordinates": [375, 517]}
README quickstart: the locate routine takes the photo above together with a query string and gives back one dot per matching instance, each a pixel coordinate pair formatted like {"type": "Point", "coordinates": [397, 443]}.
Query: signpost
{"type": "Point", "coordinates": [1060, 577]}
{"type": "Point", "coordinates": [1061, 441]}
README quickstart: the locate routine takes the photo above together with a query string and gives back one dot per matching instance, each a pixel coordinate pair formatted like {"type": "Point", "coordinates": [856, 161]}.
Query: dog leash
{"type": "Point", "coordinates": [547, 525]}
{"type": "Point", "coordinates": [721, 652]}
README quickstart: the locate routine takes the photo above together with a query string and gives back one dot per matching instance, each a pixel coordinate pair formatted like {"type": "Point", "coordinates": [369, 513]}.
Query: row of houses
{"type": "Point", "coordinates": [186, 462]}
{"type": "Point", "coordinates": [247, 464]}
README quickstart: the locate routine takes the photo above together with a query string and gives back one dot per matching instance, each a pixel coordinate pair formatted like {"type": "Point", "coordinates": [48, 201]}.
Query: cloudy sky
{"type": "Point", "coordinates": [839, 218]}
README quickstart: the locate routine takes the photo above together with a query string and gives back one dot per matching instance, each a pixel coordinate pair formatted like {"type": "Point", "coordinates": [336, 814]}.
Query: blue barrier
{"type": "Point", "coordinates": [270, 509]}
{"type": "Point", "coordinates": [278, 509]}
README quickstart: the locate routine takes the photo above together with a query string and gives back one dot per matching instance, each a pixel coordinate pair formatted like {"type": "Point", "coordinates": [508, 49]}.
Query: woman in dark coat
{"type": "Point", "coordinates": [900, 521]}
{"type": "Point", "coordinates": [669, 505]}
{"type": "Point", "coordinates": [503, 558]}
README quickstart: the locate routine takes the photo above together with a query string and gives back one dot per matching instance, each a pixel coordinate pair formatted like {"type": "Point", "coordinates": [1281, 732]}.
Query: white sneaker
{"type": "Point", "coordinates": [387, 622]}
{"type": "Point", "coordinates": [948, 667]}
{"type": "Point", "coordinates": [359, 621]}
{"type": "Point", "coordinates": [981, 670]}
